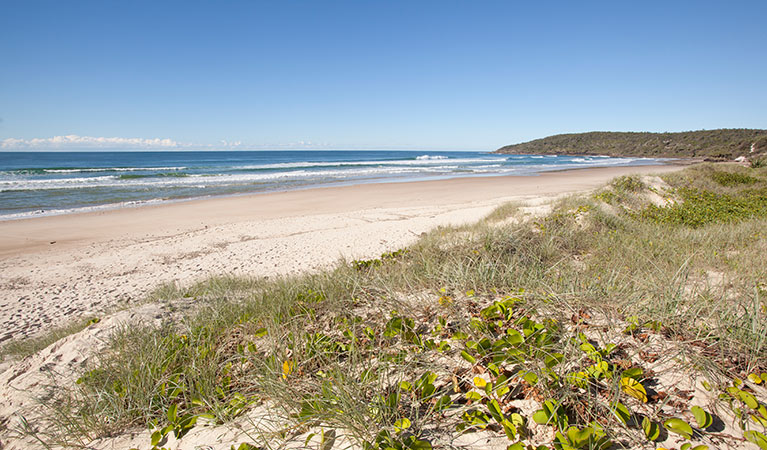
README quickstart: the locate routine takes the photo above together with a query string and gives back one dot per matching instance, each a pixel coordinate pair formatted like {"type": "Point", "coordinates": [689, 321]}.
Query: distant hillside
{"type": "Point", "coordinates": [721, 144]}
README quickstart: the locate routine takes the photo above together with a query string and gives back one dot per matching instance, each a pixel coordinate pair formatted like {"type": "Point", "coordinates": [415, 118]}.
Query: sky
{"type": "Point", "coordinates": [413, 74]}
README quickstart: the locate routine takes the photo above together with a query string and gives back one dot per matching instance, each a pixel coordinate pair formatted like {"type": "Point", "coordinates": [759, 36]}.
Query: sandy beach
{"type": "Point", "coordinates": [58, 268]}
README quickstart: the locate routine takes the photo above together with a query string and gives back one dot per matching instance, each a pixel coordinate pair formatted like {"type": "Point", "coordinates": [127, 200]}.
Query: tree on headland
{"type": "Point", "coordinates": [722, 144]}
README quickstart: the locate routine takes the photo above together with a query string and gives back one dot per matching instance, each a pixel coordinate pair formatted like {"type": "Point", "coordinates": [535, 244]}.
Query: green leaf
{"type": "Point", "coordinates": [156, 438]}
{"type": "Point", "coordinates": [468, 357]}
{"type": "Point", "coordinates": [541, 417]}
{"type": "Point", "coordinates": [579, 438]}
{"type": "Point", "coordinates": [473, 396]}
{"type": "Point", "coordinates": [757, 438]}
{"type": "Point", "coordinates": [419, 444]}
{"type": "Point", "coordinates": [514, 337]}
{"type": "Point", "coordinates": [531, 378]}
{"type": "Point", "coordinates": [245, 446]}
{"type": "Point", "coordinates": [517, 419]}
{"type": "Point", "coordinates": [495, 411]}
{"type": "Point", "coordinates": [748, 399]}
{"type": "Point", "coordinates": [703, 418]}
{"type": "Point", "coordinates": [501, 386]}
{"type": "Point", "coordinates": [651, 429]}
{"type": "Point", "coordinates": [588, 348]}
{"type": "Point", "coordinates": [517, 446]}
{"type": "Point", "coordinates": [759, 420]}
{"type": "Point", "coordinates": [679, 427]}
{"type": "Point", "coordinates": [622, 413]}
{"type": "Point", "coordinates": [509, 429]}
{"type": "Point", "coordinates": [476, 418]}
{"type": "Point", "coordinates": [549, 411]}
{"type": "Point", "coordinates": [402, 425]}
{"type": "Point", "coordinates": [172, 413]}
{"type": "Point", "coordinates": [553, 359]}
{"type": "Point", "coordinates": [634, 373]}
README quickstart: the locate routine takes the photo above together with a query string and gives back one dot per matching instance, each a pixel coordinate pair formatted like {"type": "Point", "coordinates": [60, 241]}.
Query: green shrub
{"type": "Point", "coordinates": [759, 163]}
{"type": "Point", "coordinates": [699, 208]}
{"type": "Point", "coordinates": [732, 178]}
{"type": "Point", "coordinates": [628, 183]}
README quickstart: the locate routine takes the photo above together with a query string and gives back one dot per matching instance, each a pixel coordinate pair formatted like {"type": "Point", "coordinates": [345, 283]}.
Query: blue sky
{"type": "Point", "coordinates": [364, 74]}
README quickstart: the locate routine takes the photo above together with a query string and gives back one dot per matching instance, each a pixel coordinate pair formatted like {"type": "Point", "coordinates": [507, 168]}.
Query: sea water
{"type": "Point", "coordinates": [45, 183]}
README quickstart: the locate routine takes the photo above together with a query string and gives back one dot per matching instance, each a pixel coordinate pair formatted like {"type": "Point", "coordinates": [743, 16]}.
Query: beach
{"type": "Point", "coordinates": [60, 268]}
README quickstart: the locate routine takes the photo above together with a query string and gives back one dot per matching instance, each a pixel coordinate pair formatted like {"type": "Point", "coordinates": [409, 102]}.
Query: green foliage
{"type": "Point", "coordinates": [678, 426]}
{"type": "Point", "coordinates": [703, 418]}
{"type": "Point", "coordinates": [367, 264]}
{"type": "Point", "coordinates": [591, 437]}
{"type": "Point", "coordinates": [627, 183]}
{"type": "Point", "coordinates": [757, 438]}
{"type": "Point", "coordinates": [699, 208]}
{"type": "Point", "coordinates": [179, 425]}
{"type": "Point", "coordinates": [730, 179]}
{"type": "Point", "coordinates": [651, 429]}
{"type": "Point", "coordinates": [387, 441]}
{"type": "Point", "coordinates": [717, 144]}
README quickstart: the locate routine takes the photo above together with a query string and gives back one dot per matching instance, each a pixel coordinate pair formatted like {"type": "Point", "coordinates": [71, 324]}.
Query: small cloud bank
{"type": "Point", "coordinates": [73, 141]}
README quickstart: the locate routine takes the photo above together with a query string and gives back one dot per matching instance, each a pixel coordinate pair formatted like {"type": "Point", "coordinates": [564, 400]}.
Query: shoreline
{"type": "Point", "coordinates": [58, 268]}
{"type": "Point", "coordinates": [138, 203]}
{"type": "Point", "coordinates": [9, 228]}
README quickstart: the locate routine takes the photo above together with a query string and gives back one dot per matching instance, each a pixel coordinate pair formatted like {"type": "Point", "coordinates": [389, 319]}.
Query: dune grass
{"type": "Point", "coordinates": [25, 347]}
{"type": "Point", "coordinates": [390, 350]}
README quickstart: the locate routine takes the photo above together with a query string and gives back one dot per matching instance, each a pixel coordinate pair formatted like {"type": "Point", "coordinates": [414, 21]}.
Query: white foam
{"type": "Point", "coordinates": [113, 169]}
{"type": "Point", "coordinates": [398, 162]}
{"type": "Point", "coordinates": [85, 209]}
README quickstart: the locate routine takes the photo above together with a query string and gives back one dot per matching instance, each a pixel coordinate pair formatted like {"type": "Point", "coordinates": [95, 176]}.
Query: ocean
{"type": "Point", "coordinates": [46, 183]}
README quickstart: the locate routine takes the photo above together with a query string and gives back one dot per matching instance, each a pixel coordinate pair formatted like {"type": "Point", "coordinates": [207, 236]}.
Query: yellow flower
{"type": "Point", "coordinates": [287, 368]}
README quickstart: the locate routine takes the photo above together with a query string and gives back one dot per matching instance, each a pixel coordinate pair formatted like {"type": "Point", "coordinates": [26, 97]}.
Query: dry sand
{"type": "Point", "coordinates": [55, 269]}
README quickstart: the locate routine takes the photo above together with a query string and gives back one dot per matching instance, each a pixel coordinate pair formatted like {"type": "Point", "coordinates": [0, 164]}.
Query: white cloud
{"type": "Point", "coordinates": [231, 144]}
{"type": "Point", "coordinates": [73, 141]}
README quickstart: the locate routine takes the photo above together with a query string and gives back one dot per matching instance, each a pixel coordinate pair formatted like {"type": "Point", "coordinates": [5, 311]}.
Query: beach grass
{"type": "Point", "coordinates": [456, 332]}
{"type": "Point", "coordinates": [21, 348]}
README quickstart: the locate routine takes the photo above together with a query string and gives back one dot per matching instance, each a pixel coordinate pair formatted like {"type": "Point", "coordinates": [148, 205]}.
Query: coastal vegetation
{"type": "Point", "coordinates": [715, 145]}
{"type": "Point", "coordinates": [627, 318]}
